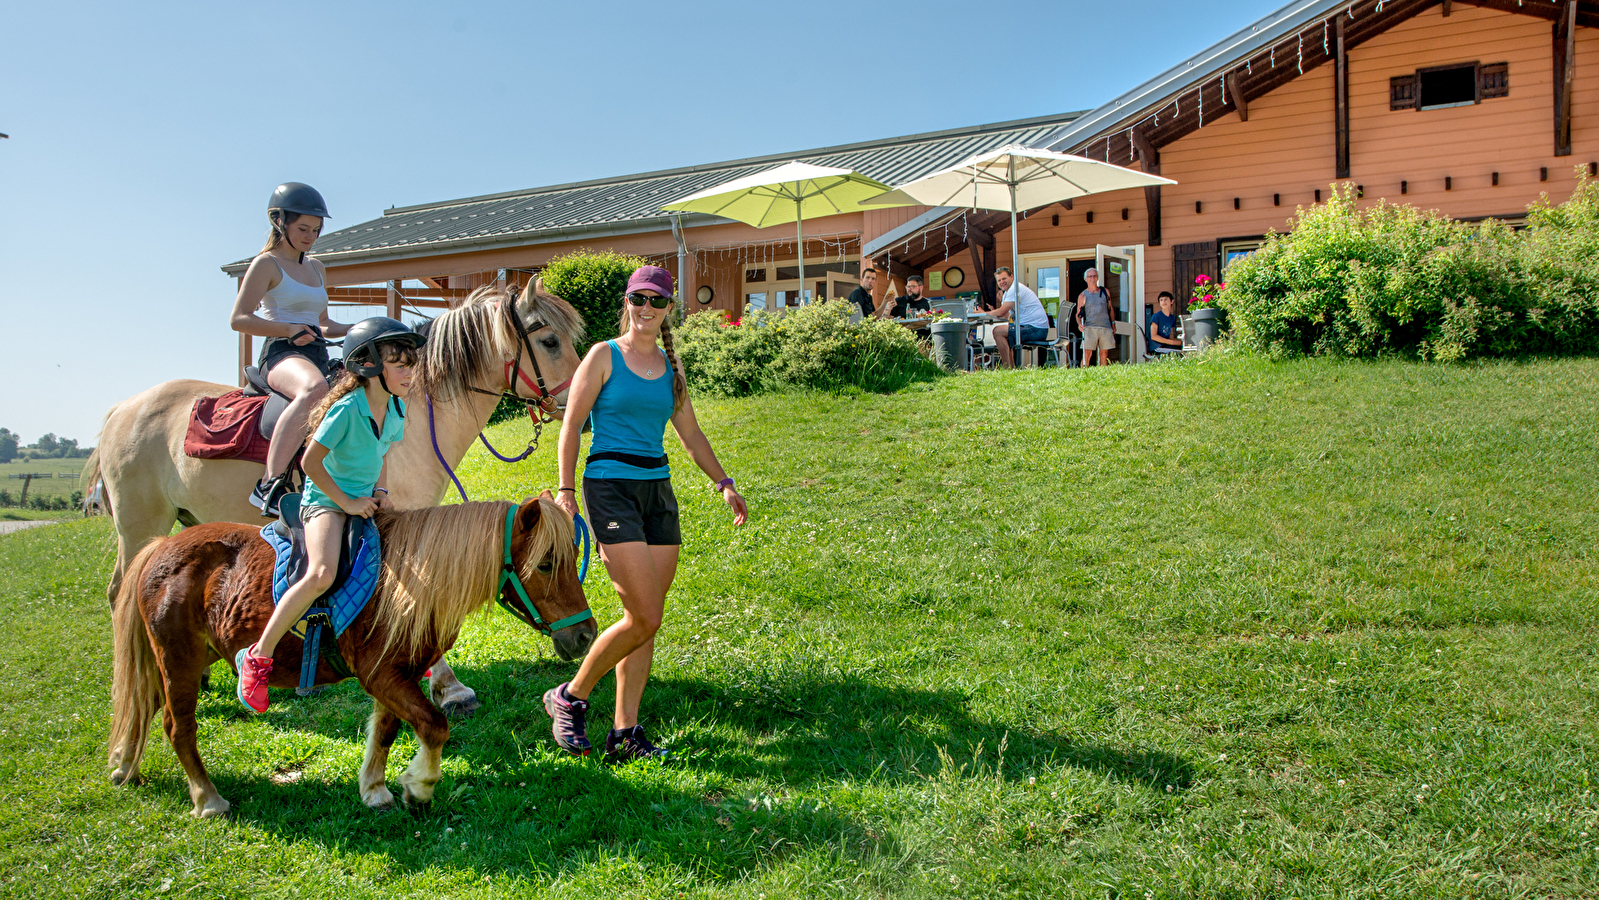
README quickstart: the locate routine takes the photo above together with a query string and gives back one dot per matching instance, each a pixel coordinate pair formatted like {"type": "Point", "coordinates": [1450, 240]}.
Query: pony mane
{"type": "Point", "coordinates": [442, 563]}
{"type": "Point", "coordinates": [468, 345]}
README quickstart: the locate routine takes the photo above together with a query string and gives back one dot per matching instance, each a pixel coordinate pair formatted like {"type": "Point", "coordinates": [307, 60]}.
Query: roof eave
{"type": "Point", "coordinates": [1199, 68]}
{"type": "Point", "coordinates": [499, 241]}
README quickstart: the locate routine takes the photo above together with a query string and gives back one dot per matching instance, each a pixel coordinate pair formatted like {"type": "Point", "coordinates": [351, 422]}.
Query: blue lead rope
{"type": "Point", "coordinates": [582, 531]}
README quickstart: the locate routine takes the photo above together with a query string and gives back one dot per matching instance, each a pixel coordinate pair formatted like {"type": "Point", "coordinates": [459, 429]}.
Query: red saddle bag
{"type": "Point", "coordinates": [226, 427]}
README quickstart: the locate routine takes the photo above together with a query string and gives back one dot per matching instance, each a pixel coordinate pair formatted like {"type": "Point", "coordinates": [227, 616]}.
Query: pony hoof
{"type": "Point", "coordinates": [215, 808]}
{"type": "Point", "coordinates": [379, 799]}
{"type": "Point", "coordinates": [123, 777]}
{"type": "Point", "coordinates": [461, 709]}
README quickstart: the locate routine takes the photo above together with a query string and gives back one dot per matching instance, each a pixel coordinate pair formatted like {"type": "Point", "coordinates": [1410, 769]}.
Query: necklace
{"type": "Point", "coordinates": [649, 370]}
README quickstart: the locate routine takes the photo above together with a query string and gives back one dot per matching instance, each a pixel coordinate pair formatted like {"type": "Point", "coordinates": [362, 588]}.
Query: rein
{"type": "Point", "coordinates": [529, 613]}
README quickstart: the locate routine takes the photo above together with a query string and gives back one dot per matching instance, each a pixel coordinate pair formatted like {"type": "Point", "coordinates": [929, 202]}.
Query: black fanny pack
{"type": "Point", "coordinates": [634, 460]}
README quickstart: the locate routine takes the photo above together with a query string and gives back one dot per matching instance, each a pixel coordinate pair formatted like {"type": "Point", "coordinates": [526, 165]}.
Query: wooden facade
{"type": "Point", "coordinates": [1245, 171]}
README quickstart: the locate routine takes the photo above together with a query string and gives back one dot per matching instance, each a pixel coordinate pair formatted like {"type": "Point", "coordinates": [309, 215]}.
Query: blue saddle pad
{"type": "Point", "coordinates": [347, 598]}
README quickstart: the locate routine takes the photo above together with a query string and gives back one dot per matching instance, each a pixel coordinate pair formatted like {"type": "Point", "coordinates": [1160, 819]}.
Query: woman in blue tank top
{"type": "Point", "coordinates": [628, 389]}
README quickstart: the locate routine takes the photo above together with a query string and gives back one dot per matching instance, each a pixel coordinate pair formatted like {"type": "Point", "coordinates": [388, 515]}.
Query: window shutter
{"type": "Point", "coordinates": [1493, 80]}
{"type": "Point", "coordinates": [1189, 261]}
{"type": "Point", "coordinates": [1402, 92]}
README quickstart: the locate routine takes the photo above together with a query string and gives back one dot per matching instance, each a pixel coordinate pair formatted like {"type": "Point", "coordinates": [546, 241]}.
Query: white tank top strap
{"type": "Point", "coordinates": [292, 301]}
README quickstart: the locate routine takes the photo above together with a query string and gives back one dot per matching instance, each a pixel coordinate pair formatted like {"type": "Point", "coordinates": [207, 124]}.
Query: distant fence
{"type": "Point", "coordinates": [19, 487]}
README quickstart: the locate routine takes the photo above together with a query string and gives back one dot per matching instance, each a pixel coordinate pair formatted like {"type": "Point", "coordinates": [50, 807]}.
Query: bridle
{"type": "Point", "coordinates": [543, 399]}
{"type": "Point", "coordinates": [527, 612]}
{"type": "Point", "coordinates": [542, 405]}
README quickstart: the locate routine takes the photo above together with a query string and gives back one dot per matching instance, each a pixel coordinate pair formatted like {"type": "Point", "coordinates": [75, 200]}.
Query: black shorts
{"type": "Point", "coordinates": [277, 349]}
{"type": "Point", "coordinates": [625, 511]}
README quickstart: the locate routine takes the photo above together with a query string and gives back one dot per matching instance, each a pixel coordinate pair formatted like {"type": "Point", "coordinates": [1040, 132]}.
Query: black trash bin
{"type": "Point", "coordinates": [949, 343]}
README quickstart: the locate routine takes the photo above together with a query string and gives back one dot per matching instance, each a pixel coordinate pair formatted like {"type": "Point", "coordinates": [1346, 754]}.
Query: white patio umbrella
{"type": "Point", "coordinates": [789, 193]}
{"type": "Point", "coordinates": [1014, 177]}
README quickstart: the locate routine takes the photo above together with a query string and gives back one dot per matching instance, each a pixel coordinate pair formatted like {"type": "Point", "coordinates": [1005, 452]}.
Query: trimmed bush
{"type": "Point", "coordinates": [593, 282]}
{"type": "Point", "coordinates": [813, 346]}
{"type": "Point", "coordinates": [1395, 279]}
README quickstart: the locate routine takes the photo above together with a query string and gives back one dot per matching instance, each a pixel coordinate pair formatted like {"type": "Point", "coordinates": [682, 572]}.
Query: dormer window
{"type": "Point", "coordinates": [1440, 87]}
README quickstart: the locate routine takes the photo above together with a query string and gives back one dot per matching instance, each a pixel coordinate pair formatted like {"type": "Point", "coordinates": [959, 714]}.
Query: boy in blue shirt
{"type": "Point", "coordinates": [1163, 327]}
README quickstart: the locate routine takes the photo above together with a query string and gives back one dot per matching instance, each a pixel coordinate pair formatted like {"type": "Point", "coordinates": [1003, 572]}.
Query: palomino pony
{"type": "Point", "coordinates": [201, 595]}
{"type": "Point", "coordinates": [495, 340]}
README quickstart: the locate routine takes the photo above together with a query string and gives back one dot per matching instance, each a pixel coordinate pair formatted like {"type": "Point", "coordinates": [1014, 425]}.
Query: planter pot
{"type": "Point", "coordinates": [1207, 325]}
{"type": "Point", "coordinates": [949, 343]}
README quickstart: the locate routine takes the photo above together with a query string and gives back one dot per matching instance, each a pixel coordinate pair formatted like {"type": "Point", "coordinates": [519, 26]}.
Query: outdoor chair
{"type": "Point", "coordinates": [955, 308]}
{"type": "Point", "coordinates": [1187, 324]}
{"type": "Point", "coordinates": [1049, 345]}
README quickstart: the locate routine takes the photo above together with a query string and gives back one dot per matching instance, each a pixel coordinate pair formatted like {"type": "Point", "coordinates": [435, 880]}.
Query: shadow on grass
{"type": "Point", "coordinates": [523, 808]}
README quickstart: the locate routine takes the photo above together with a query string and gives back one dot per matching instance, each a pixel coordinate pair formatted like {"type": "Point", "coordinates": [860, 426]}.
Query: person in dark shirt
{"type": "Point", "coordinates": [1163, 326]}
{"type": "Point", "coordinates": [913, 299]}
{"type": "Point", "coordinates": [862, 296]}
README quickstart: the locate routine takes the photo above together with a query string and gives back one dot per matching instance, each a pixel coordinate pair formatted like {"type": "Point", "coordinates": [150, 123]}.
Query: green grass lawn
{"type": "Point", "coordinates": [1211, 628]}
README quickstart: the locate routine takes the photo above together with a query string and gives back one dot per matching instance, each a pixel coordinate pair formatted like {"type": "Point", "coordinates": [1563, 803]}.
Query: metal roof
{"type": "Point", "coordinates": [631, 203]}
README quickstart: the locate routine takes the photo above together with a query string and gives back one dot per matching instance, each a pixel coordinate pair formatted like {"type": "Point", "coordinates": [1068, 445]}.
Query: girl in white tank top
{"type": "Point", "coordinates": [293, 303]}
{"type": "Point", "coordinates": [291, 316]}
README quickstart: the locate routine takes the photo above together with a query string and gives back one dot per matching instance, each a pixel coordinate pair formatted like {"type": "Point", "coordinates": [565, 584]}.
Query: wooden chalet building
{"type": "Point", "coordinates": [1472, 108]}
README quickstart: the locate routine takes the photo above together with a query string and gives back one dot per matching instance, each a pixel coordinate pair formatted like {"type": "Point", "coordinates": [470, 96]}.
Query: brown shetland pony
{"type": "Point", "coordinates": [203, 594]}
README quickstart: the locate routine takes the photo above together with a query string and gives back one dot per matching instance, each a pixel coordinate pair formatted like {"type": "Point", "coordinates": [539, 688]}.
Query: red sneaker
{"type": "Point", "coordinates": [253, 674]}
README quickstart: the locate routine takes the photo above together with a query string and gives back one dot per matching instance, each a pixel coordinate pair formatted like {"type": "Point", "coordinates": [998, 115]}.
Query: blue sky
{"type": "Point", "coordinates": [145, 139]}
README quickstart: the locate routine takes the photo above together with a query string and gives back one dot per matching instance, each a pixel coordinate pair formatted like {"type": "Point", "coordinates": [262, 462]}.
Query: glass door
{"type": "Point", "coordinates": [1119, 276]}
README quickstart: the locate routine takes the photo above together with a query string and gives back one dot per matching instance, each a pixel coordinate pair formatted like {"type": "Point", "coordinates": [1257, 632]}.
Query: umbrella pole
{"type": "Point", "coordinates": [799, 234]}
{"type": "Point", "coordinates": [1015, 279]}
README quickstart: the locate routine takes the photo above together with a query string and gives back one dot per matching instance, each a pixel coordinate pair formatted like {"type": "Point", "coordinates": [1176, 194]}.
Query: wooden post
{"type": "Point", "coordinates": [1446, 9]}
{"type": "Point", "coordinates": [983, 262]}
{"type": "Point", "coordinates": [1149, 158]}
{"type": "Point", "coordinates": [246, 348]}
{"type": "Point", "coordinates": [1239, 101]}
{"type": "Point", "coordinates": [1565, 53]}
{"type": "Point", "coordinates": [394, 299]}
{"type": "Point", "coordinates": [1341, 89]}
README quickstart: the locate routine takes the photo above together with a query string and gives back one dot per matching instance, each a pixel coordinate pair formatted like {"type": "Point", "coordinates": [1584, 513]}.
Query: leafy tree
{"type": "Point", "coordinates": [593, 282]}
{"type": "Point", "coordinates": [46, 444]}
{"type": "Point", "coordinates": [8, 445]}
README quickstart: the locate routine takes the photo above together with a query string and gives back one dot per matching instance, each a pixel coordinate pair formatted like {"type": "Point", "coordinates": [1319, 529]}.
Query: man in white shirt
{"type": "Point", "coordinates": [1033, 321]}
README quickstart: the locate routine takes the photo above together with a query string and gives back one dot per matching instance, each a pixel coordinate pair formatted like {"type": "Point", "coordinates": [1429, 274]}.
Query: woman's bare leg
{"type": "Point", "coordinates": [639, 586]}
{"type": "Point", "coordinates": [294, 377]}
{"type": "Point", "coordinates": [634, 670]}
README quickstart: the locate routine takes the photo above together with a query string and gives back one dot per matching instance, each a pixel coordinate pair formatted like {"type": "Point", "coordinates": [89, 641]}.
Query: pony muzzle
{"type": "Point", "coordinates": [573, 641]}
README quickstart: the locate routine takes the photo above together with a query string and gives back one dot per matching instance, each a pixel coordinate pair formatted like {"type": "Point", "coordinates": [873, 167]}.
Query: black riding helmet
{"type": "Point", "coordinates": [294, 197]}
{"type": "Point", "coordinates": [362, 340]}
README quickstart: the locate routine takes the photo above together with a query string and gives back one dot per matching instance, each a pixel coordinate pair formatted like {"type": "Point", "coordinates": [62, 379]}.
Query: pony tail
{"type": "Point", "coordinates": [348, 381]}
{"type": "Point", "coordinates": [679, 382]}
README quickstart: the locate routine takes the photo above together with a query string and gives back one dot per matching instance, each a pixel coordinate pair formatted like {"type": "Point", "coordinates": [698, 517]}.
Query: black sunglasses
{"type": "Point", "coordinates": [658, 302]}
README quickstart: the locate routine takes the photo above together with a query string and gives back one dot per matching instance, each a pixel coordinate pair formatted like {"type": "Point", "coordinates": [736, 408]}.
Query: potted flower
{"type": "Point", "coordinates": [1204, 312]}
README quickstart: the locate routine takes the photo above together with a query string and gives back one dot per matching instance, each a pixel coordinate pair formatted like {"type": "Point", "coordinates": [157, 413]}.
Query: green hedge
{"type": "Point", "coordinates": [593, 282]}
{"type": "Point", "coordinates": [1394, 279]}
{"type": "Point", "coordinates": [813, 346]}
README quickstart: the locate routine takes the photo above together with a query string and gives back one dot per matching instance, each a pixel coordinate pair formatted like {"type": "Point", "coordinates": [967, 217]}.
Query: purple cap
{"type": "Point", "coordinates": [652, 278]}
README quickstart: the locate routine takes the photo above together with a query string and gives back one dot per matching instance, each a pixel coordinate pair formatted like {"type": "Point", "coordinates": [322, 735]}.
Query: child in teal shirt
{"type": "Point", "coordinates": [353, 427]}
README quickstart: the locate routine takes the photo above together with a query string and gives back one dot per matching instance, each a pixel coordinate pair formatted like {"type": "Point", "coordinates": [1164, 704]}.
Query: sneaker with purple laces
{"type": "Point", "coordinates": [627, 744]}
{"type": "Point", "coordinates": [571, 734]}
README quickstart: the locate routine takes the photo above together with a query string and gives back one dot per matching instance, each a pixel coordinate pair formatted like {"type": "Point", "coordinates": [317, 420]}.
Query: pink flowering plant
{"type": "Point", "coordinates": [1207, 293]}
